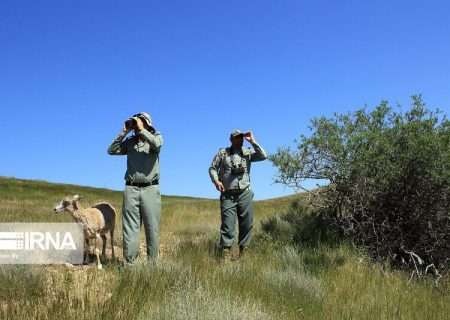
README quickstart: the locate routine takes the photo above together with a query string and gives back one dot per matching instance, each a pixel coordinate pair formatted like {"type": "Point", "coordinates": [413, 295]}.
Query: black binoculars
{"type": "Point", "coordinates": [130, 123]}
{"type": "Point", "coordinates": [238, 170]}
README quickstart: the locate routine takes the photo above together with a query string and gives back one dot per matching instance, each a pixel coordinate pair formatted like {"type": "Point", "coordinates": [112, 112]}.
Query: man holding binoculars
{"type": "Point", "coordinates": [230, 173]}
{"type": "Point", "coordinates": [142, 197]}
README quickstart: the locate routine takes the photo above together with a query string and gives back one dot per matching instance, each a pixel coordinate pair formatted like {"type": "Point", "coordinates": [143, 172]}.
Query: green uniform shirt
{"type": "Point", "coordinates": [222, 166]}
{"type": "Point", "coordinates": [142, 152]}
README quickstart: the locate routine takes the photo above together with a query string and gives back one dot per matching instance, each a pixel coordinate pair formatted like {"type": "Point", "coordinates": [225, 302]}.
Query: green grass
{"type": "Point", "coordinates": [274, 281]}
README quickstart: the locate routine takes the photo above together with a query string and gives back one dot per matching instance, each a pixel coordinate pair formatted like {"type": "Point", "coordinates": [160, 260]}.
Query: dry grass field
{"type": "Point", "coordinates": [274, 281]}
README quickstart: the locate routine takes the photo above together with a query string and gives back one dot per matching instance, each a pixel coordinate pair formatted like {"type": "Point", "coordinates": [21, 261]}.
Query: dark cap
{"type": "Point", "coordinates": [236, 133]}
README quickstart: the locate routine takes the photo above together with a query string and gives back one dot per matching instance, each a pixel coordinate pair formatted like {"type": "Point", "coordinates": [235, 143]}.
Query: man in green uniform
{"type": "Point", "coordinates": [142, 197]}
{"type": "Point", "coordinates": [230, 173]}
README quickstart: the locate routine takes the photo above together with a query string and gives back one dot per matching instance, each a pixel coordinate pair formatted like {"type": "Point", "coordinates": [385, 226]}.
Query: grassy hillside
{"type": "Point", "coordinates": [274, 281]}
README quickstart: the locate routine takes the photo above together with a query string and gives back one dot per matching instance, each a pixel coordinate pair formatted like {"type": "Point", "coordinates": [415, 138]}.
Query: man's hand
{"type": "Point", "coordinates": [125, 129]}
{"type": "Point", "coordinates": [219, 186]}
{"type": "Point", "coordinates": [249, 137]}
{"type": "Point", "coordinates": [139, 124]}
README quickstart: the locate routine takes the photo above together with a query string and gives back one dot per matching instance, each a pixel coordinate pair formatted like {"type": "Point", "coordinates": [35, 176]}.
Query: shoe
{"type": "Point", "coordinates": [226, 255]}
{"type": "Point", "coordinates": [242, 251]}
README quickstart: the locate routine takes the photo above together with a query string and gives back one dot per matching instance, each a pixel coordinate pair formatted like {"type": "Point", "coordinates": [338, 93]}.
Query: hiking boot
{"type": "Point", "coordinates": [226, 255]}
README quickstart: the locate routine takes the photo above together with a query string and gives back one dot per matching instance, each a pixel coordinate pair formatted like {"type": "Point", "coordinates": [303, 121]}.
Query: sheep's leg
{"type": "Point", "coordinates": [104, 247]}
{"type": "Point", "coordinates": [86, 251]}
{"type": "Point", "coordinates": [97, 253]}
{"type": "Point", "coordinates": [99, 264]}
{"type": "Point", "coordinates": [112, 243]}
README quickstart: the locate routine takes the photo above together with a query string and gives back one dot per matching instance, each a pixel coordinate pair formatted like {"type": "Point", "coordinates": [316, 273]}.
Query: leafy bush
{"type": "Point", "coordinates": [389, 180]}
{"type": "Point", "coordinates": [301, 225]}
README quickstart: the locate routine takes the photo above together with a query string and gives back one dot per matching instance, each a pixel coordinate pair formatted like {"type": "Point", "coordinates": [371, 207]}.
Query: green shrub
{"type": "Point", "coordinates": [388, 177]}
{"type": "Point", "coordinates": [301, 225]}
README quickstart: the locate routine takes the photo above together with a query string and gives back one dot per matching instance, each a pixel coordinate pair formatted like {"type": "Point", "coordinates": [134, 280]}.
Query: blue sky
{"type": "Point", "coordinates": [72, 71]}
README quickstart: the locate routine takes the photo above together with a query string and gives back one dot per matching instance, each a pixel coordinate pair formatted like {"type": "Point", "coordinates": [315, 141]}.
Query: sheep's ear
{"type": "Point", "coordinates": [76, 197]}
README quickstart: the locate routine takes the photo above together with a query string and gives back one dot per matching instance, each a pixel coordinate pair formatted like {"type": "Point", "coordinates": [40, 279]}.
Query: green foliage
{"type": "Point", "coordinates": [376, 145]}
{"type": "Point", "coordinates": [389, 179]}
{"type": "Point", "coordinates": [301, 225]}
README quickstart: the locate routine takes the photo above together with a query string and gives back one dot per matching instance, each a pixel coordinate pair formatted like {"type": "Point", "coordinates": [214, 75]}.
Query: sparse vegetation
{"type": "Point", "coordinates": [276, 280]}
{"type": "Point", "coordinates": [302, 225]}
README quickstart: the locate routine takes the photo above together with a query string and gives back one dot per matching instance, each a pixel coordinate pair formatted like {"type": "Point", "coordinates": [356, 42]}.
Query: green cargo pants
{"type": "Point", "coordinates": [238, 205]}
{"type": "Point", "coordinates": [141, 205]}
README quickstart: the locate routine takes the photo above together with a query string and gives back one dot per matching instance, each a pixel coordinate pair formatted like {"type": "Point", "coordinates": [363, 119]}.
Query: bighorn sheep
{"type": "Point", "coordinates": [97, 221]}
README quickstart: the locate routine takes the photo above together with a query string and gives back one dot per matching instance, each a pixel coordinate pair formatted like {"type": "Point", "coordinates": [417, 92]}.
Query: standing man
{"type": "Point", "coordinates": [230, 173]}
{"type": "Point", "coordinates": [142, 197]}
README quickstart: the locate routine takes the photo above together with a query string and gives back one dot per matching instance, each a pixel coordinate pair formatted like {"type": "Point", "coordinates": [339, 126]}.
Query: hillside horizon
{"type": "Point", "coordinates": [26, 180]}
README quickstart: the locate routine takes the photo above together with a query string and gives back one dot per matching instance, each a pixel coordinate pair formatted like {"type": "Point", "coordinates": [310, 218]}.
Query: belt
{"type": "Point", "coordinates": [235, 191]}
{"type": "Point", "coordinates": [142, 184]}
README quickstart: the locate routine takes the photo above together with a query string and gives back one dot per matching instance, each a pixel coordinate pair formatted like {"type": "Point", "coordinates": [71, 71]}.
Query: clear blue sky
{"type": "Point", "coordinates": [72, 71]}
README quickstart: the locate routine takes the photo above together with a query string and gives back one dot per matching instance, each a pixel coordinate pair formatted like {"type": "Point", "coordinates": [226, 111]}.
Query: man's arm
{"type": "Point", "coordinates": [214, 170]}
{"type": "Point", "coordinates": [155, 140]}
{"type": "Point", "coordinates": [118, 146]}
{"type": "Point", "coordinates": [259, 154]}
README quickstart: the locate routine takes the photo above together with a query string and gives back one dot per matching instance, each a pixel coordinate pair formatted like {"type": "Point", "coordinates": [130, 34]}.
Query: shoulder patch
{"type": "Point", "coordinates": [221, 153]}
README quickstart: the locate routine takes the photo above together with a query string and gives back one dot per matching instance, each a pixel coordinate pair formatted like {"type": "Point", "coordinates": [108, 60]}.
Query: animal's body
{"type": "Point", "coordinates": [97, 220]}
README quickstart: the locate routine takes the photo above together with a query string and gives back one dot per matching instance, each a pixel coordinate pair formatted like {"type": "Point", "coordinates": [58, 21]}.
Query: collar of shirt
{"type": "Point", "coordinates": [234, 150]}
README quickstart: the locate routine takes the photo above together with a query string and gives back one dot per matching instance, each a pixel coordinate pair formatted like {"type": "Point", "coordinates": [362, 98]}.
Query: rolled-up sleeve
{"type": "Point", "coordinates": [215, 168]}
{"type": "Point", "coordinates": [118, 146]}
{"type": "Point", "coordinates": [259, 154]}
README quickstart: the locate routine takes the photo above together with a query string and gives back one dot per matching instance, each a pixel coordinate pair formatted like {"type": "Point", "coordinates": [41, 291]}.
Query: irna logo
{"type": "Point", "coordinates": [41, 243]}
{"type": "Point", "coordinates": [33, 240]}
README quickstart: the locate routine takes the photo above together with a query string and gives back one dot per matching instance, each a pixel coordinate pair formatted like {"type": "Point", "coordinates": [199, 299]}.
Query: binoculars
{"type": "Point", "coordinates": [130, 123]}
{"type": "Point", "coordinates": [236, 170]}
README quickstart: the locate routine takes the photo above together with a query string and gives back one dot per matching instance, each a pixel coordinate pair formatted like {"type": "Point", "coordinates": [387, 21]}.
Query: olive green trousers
{"type": "Point", "coordinates": [236, 206]}
{"type": "Point", "coordinates": [141, 205]}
